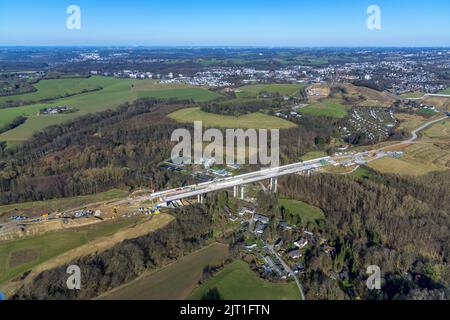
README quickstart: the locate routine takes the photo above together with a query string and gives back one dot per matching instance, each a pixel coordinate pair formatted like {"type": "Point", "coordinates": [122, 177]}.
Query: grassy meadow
{"type": "Point", "coordinates": [313, 155]}
{"type": "Point", "coordinates": [306, 212]}
{"type": "Point", "coordinates": [327, 108]}
{"type": "Point", "coordinates": [114, 93]}
{"type": "Point", "coordinates": [175, 281]}
{"type": "Point", "coordinates": [440, 130]}
{"type": "Point", "coordinates": [238, 282]}
{"type": "Point", "coordinates": [419, 159]}
{"type": "Point", "coordinates": [21, 255]}
{"type": "Point", "coordinates": [57, 88]}
{"type": "Point", "coordinates": [251, 91]}
{"type": "Point", "coordinates": [254, 120]}
{"type": "Point", "coordinates": [446, 91]}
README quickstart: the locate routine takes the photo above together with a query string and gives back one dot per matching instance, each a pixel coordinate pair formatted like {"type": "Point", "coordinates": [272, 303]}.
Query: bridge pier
{"type": "Point", "coordinates": [200, 198]}
{"type": "Point", "coordinates": [273, 184]}
{"type": "Point", "coordinates": [235, 191]}
{"type": "Point", "coordinates": [242, 192]}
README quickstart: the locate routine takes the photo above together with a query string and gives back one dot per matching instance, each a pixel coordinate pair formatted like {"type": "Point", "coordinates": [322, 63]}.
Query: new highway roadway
{"type": "Point", "coordinates": [198, 190]}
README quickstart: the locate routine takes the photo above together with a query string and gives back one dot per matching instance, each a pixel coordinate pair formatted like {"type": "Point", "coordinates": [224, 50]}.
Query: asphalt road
{"type": "Point", "coordinates": [286, 266]}
{"type": "Point", "coordinates": [222, 184]}
{"type": "Point", "coordinates": [226, 183]}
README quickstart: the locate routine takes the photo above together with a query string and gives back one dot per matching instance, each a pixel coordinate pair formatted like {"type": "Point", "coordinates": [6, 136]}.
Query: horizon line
{"type": "Point", "coordinates": [222, 46]}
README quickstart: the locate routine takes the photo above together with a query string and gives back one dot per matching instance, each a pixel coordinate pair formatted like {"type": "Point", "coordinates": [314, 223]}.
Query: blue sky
{"type": "Point", "coordinates": [231, 22]}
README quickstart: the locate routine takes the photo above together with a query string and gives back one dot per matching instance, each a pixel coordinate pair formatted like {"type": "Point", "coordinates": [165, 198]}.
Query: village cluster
{"type": "Point", "coordinates": [376, 123]}
{"type": "Point", "coordinates": [283, 258]}
{"type": "Point", "coordinates": [404, 73]}
{"type": "Point", "coordinates": [408, 72]}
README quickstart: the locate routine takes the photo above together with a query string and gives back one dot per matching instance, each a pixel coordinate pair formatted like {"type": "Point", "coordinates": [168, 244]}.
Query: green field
{"type": "Point", "coordinates": [312, 61]}
{"type": "Point", "coordinates": [44, 247]}
{"type": "Point", "coordinates": [238, 282]}
{"type": "Point", "coordinates": [327, 108]}
{"type": "Point", "coordinates": [114, 93]}
{"type": "Point", "coordinates": [439, 130]}
{"type": "Point", "coordinates": [422, 157]}
{"type": "Point", "coordinates": [254, 120]}
{"type": "Point", "coordinates": [313, 155]}
{"type": "Point", "coordinates": [251, 91]}
{"type": "Point", "coordinates": [175, 281]}
{"type": "Point", "coordinates": [416, 94]}
{"type": "Point", "coordinates": [49, 206]}
{"type": "Point", "coordinates": [196, 94]}
{"type": "Point", "coordinates": [446, 91]}
{"type": "Point", "coordinates": [306, 212]}
{"type": "Point", "coordinates": [362, 173]}
{"type": "Point", "coordinates": [409, 122]}
{"type": "Point", "coordinates": [399, 166]}
{"type": "Point", "coordinates": [419, 159]}
{"type": "Point", "coordinates": [57, 88]}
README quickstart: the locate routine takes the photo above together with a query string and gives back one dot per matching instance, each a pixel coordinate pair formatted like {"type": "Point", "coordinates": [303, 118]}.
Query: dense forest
{"type": "Point", "coordinates": [398, 223]}
{"type": "Point", "coordinates": [239, 108]}
{"type": "Point", "coordinates": [91, 154]}
{"type": "Point", "coordinates": [114, 148]}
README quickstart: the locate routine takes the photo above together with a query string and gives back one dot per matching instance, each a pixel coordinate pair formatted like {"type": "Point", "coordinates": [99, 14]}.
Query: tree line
{"type": "Point", "coordinates": [13, 124]}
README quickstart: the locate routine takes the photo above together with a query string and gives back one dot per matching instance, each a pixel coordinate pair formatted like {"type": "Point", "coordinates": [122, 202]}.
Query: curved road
{"type": "Point", "coordinates": [424, 126]}
{"type": "Point", "coordinates": [414, 135]}
{"type": "Point", "coordinates": [286, 266]}
{"type": "Point", "coordinates": [427, 95]}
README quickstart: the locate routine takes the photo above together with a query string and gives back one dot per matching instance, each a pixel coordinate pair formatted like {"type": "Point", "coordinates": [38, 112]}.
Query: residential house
{"type": "Point", "coordinates": [261, 218]}
{"type": "Point", "coordinates": [259, 227]}
{"type": "Point", "coordinates": [328, 250]}
{"type": "Point", "coordinates": [242, 211]}
{"type": "Point", "coordinates": [273, 266]}
{"type": "Point", "coordinates": [301, 243]}
{"type": "Point", "coordinates": [285, 226]}
{"type": "Point", "coordinates": [279, 243]}
{"type": "Point", "coordinates": [298, 268]}
{"type": "Point", "coordinates": [294, 254]}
